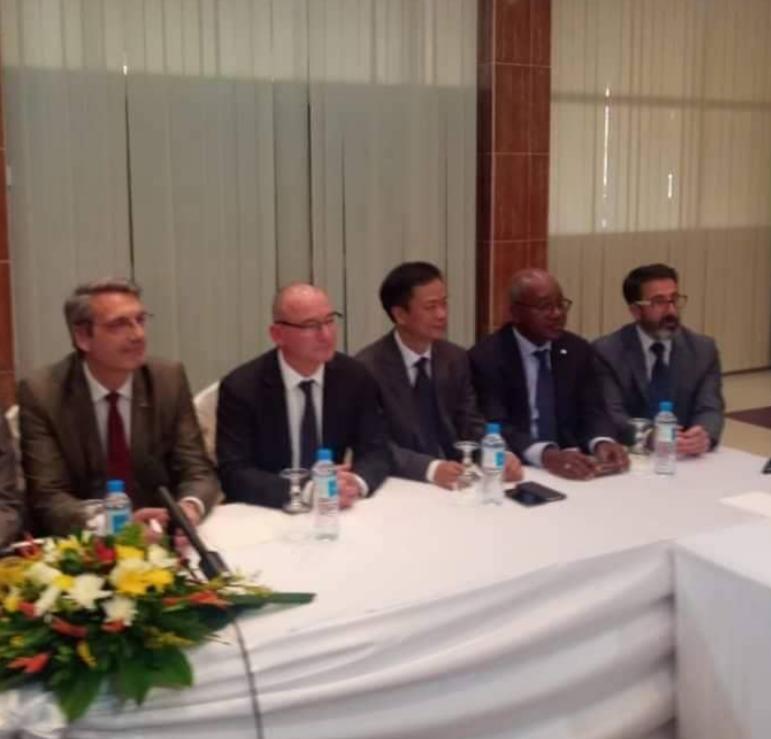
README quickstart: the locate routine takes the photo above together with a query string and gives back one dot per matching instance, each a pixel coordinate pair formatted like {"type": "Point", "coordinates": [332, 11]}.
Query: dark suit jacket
{"type": "Point", "coordinates": [695, 371]}
{"type": "Point", "coordinates": [458, 414]}
{"type": "Point", "coordinates": [62, 455]}
{"type": "Point", "coordinates": [11, 502]}
{"type": "Point", "coordinates": [501, 386]}
{"type": "Point", "coordinates": [253, 443]}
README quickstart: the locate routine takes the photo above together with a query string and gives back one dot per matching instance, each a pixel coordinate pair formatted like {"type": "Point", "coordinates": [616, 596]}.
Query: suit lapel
{"type": "Point", "coordinates": [635, 360]}
{"type": "Point", "coordinates": [679, 361]}
{"type": "Point", "coordinates": [273, 400]}
{"type": "Point", "coordinates": [512, 375]}
{"type": "Point", "coordinates": [399, 387]}
{"type": "Point", "coordinates": [562, 376]}
{"type": "Point", "coordinates": [443, 384]}
{"type": "Point", "coordinates": [142, 415]}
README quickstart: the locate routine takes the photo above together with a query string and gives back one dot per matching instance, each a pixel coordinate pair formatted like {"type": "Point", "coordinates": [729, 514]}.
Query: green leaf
{"type": "Point", "coordinates": [78, 694]}
{"type": "Point", "coordinates": [133, 680]}
{"type": "Point", "coordinates": [259, 600]}
{"type": "Point", "coordinates": [171, 669]}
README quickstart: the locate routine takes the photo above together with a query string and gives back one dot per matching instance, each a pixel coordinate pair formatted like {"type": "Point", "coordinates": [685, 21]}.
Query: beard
{"type": "Point", "coordinates": [663, 329]}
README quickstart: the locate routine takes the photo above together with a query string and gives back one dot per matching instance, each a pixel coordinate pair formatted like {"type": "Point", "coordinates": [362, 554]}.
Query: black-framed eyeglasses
{"type": "Point", "coordinates": [122, 324]}
{"type": "Point", "coordinates": [660, 301]}
{"type": "Point", "coordinates": [561, 306]}
{"type": "Point", "coordinates": [318, 325]}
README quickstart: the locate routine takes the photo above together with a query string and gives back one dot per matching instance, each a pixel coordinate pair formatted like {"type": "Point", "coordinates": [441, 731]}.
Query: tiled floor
{"type": "Point", "coordinates": [742, 391]}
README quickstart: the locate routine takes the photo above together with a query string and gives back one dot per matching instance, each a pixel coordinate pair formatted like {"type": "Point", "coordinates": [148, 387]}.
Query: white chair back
{"type": "Point", "coordinates": [205, 404]}
{"type": "Point", "coordinates": [12, 416]}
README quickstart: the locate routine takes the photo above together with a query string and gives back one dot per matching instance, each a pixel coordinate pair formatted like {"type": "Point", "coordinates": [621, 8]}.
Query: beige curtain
{"type": "Point", "coordinates": [262, 141]}
{"type": "Point", "coordinates": [661, 151]}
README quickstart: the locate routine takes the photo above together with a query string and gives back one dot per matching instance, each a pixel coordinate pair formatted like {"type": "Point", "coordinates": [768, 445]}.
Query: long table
{"type": "Point", "coordinates": [437, 618]}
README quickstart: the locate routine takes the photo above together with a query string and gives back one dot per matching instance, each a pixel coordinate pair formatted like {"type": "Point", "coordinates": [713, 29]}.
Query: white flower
{"type": "Point", "coordinates": [157, 556]}
{"type": "Point", "coordinates": [87, 589]}
{"type": "Point", "coordinates": [120, 608]}
{"type": "Point", "coordinates": [41, 574]}
{"type": "Point", "coordinates": [44, 603]}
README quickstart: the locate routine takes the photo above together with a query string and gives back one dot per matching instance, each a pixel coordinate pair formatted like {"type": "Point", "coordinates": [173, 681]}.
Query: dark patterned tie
{"type": "Point", "coordinates": [544, 398]}
{"type": "Point", "coordinates": [428, 414]}
{"type": "Point", "coordinates": [660, 385]}
{"type": "Point", "coordinates": [309, 432]}
{"type": "Point", "coordinates": [118, 455]}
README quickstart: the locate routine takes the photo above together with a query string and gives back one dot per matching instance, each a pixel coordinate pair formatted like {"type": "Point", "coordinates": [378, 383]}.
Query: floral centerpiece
{"type": "Point", "coordinates": [80, 611]}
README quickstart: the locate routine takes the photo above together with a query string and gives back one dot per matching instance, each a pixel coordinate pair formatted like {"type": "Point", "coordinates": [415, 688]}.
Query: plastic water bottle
{"type": "Point", "coordinates": [325, 493]}
{"type": "Point", "coordinates": [117, 507]}
{"type": "Point", "coordinates": [665, 440]}
{"type": "Point", "coordinates": [493, 461]}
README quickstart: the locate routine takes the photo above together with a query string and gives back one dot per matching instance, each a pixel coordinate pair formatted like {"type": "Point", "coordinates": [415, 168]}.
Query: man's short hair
{"type": "Point", "coordinates": [399, 283]}
{"type": "Point", "coordinates": [639, 276]}
{"type": "Point", "coordinates": [77, 307]}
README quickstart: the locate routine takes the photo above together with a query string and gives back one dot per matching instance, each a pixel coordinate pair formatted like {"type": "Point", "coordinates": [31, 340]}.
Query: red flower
{"type": "Point", "coordinates": [30, 549]}
{"type": "Point", "coordinates": [208, 598]}
{"type": "Point", "coordinates": [105, 554]}
{"type": "Point", "coordinates": [68, 629]}
{"type": "Point", "coordinates": [113, 627]}
{"type": "Point", "coordinates": [172, 600]}
{"type": "Point", "coordinates": [31, 665]}
{"type": "Point", "coordinates": [28, 609]}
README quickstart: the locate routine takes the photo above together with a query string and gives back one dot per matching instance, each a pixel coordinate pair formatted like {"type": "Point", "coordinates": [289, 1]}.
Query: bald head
{"type": "Point", "coordinates": [295, 296]}
{"type": "Point", "coordinates": [538, 308]}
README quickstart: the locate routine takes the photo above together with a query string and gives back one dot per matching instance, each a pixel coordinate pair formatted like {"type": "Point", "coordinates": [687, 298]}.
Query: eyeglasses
{"type": "Point", "coordinates": [561, 306]}
{"type": "Point", "coordinates": [659, 301]}
{"type": "Point", "coordinates": [314, 326]}
{"type": "Point", "coordinates": [123, 324]}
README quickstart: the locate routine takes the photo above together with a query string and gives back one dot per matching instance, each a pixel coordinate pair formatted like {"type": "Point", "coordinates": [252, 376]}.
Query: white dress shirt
{"type": "Point", "coordinates": [410, 359]}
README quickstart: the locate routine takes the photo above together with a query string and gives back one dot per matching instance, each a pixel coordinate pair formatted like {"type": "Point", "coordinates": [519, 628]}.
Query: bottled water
{"type": "Point", "coordinates": [117, 507]}
{"type": "Point", "coordinates": [325, 494]}
{"type": "Point", "coordinates": [493, 461]}
{"type": "Point", "coordinates": [665, 440]}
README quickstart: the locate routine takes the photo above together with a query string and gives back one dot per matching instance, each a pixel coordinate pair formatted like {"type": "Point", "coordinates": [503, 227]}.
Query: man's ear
{"type": "Point", "coordinates": [399, 315]}
{"type": "Point", "coordinates": [635, 311]}
{"type": "Point", "coordinates": [82, 335]}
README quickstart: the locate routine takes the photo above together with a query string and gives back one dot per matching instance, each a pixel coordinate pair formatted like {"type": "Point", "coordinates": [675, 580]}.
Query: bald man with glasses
{"type": "Point", "coordinates": [655, 358]}
{"type": "Point", "coordinates": [277, 410]}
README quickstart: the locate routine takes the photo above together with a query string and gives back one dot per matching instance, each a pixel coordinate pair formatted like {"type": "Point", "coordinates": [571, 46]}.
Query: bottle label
{"type": "Point", "coordinates": [493, 459]}
{"type": "Point", "coordinates": [667, 433]}
{"type": "Point", "coordinates": [117, 521]}
{"type": "Point", "coordinates": [327, 488]}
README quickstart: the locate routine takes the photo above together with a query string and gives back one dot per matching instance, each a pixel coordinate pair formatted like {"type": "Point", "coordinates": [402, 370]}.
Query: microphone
{"type": "Point", "coordinates": [211, 563]}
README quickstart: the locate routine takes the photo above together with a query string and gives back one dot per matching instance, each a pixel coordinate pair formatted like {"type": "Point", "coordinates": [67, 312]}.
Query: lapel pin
{"type": "Point", "coordinates": [563, 351]}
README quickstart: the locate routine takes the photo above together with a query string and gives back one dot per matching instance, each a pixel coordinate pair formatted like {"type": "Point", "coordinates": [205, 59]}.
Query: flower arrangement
{"type": "Point", "coordinates": [80, 611]}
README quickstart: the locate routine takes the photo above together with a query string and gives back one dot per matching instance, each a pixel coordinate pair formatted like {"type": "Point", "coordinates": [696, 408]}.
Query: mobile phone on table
{"type": "Point", "coordinates": [767, 468]}
{"type": "Point", "coordinates": [533, 494]}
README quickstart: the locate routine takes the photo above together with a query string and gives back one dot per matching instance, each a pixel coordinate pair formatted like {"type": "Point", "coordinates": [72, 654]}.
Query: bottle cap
{"type": "Point", "coordinates": [115, 486]}
{"type": "Point", "coordinates": [665, 405]}
{"type": "Point", "coordinates": [493, 428]}
{"type": "Point", "coordinates": [324, 455]}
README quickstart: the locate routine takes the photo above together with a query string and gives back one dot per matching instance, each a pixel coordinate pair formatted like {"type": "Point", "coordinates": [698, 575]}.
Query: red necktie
{"type": "Point", "coordinates": [118, 454]}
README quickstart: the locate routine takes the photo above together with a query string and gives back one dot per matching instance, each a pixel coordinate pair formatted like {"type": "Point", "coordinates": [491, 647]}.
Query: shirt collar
{"type": "Point", "coordinates": [526, 347]}
{"type": "Point", "coordinates": [292, 378]}
{"type": "Point", "coordinates": [648, 341]}
{"type": "Point", "coordinates": [410, 357]}
{"type": "Point", "coordinates": [99, 391]}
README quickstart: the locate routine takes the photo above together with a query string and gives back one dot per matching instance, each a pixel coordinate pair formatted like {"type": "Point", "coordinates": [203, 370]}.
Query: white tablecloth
{"type": "Point", "coordinates": [437, 619]}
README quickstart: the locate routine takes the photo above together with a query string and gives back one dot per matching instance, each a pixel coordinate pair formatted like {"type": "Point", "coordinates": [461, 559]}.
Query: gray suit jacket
{"type": "Point", "coordinates": [459, 416]}
{"type": "Point", "coordinates": [62, 455]}
{"type": "Point", "coordinates": [11, 502]}
{"type": "Point", "coordinates": [695, 370]}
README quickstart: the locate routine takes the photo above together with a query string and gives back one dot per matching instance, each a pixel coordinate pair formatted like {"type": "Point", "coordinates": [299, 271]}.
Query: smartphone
{"type": "Point", "coordinates": [533, 494]}
{"type": "Point", "coordinates": [767, 468]}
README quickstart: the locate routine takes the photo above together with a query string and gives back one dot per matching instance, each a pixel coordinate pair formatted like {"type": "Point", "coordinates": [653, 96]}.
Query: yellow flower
{"type": "Point", "coordinates": [64, 582]}
{"type": "Point", "coordinates": [159, 579]}
{"type": "Point", "coordinates": [11, 601]}
{"type": "Point", "coordinates": [13, 570]}
{"type": "Point", "coordinates": [69, 544]}
{"type": "Point", "coordinates": [125, 552]}
{"type": "Point", "coordinates": [84, 652]}
{"type": "Point", "coordinates": [131, 582]}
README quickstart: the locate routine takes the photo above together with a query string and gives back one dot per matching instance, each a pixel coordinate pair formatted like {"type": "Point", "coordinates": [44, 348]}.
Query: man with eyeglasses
{"type": "Point", "coordinates": [424, 380]}
{"type": "Point", "coordinates": [107, 411]}
{"type": "Point", "coordinates": [655, 358]}
{"type": "Point", "coordinates": [277, 410]}
{"type": "Point", "coordinates": [540, 383]}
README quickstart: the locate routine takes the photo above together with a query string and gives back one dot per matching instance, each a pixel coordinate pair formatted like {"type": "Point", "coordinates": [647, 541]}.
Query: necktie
{"type": "Point", "coordinates": [544, 398]}
{"type": "Point", "coordinates": [309, 434]}
{"type": "Point", "coordinates": [428, 414]}
{"type": "Point", "coordinates": [660, 385]}
{"type": "Point", "coordinates": [118, 454]}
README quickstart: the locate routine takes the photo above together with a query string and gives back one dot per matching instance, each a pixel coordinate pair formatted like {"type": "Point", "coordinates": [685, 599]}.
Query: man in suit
{"type": "Point", "coordinates": [11, 503]}
{"type": "Point", "coordinates": [106, 411]}
{"type": "Point", "coordinates": [655, 358]}
{"type": "Point", "coordinates": [539, 382]}
{"type": "Point", "coordinates": [275, 411]}
{"type": "Point", "coordinates": [424, 381]}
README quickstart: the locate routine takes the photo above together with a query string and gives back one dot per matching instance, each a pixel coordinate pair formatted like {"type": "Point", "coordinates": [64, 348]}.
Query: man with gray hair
{"type": "Point", "coordinates": [106, 411]}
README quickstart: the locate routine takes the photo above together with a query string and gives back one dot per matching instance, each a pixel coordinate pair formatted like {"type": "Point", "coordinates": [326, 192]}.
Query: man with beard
{"type": "Point", "coordinates": [655, 359]}
{"type": "Point", "coordinates": [540, 383]}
